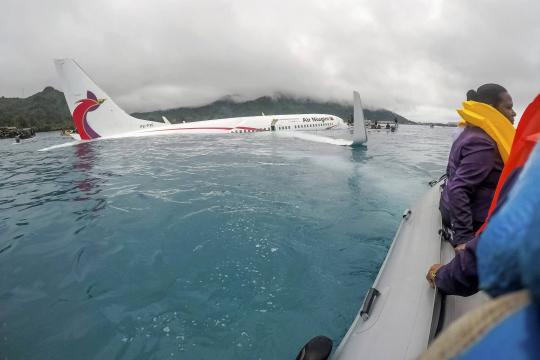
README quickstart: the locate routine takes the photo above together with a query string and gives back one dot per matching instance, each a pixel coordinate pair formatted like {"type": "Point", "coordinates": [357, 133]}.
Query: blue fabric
{"type": "Point", "coordinates": [499, 248]}
{"type": "Point", "coordinates": [529, 256]}
{"type": "Point", "coordinates": [516, 337]}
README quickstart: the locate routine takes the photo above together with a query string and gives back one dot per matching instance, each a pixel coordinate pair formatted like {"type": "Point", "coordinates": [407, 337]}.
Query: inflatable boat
{"type": "Point", "coordinates": [401, 313]}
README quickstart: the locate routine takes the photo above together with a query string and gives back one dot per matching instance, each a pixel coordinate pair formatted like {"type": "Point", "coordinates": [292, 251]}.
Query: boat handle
{"type": "Point", "coordinates": [406, 214]}
{"type": "Point", "coordinates": [369, 301]}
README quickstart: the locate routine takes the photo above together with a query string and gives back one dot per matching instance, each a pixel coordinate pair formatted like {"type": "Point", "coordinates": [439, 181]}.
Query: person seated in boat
{"type": "Point", "coordinates": [388, 125]}
{"type": "Point", "coordinates": [474, 167]}
{"type": "Point", "coordinates": [460, 276]}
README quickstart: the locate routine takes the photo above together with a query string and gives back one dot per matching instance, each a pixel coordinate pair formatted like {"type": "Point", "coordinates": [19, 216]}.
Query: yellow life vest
{"type": "Point", "coordinates": [489, 119]}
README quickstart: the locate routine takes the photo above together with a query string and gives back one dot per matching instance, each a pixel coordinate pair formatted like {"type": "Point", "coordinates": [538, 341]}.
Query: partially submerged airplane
{"type": "Point", "coordinates": [96, 116]}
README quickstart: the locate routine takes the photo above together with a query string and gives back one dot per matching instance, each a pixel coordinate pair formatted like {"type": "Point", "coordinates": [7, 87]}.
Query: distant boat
{"type": "Point", "coordinates": [67, 132]}
{"type": "Point", "coordinates": [26, 133]}
{"type": "Point", "coordinates": [383, 125]}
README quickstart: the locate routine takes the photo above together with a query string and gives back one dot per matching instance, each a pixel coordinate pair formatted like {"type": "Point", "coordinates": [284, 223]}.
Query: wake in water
{"type": "Point", "coordinates": [58, 146]}
{"type": "Point", "coordinates": [315, 138]}
{"type": "Point", "coordinates": [291, 134]}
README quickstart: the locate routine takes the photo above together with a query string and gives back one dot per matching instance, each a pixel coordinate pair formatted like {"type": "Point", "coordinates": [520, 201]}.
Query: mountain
{"type": "Point", "coordinates": [47, 110]}
{"type": "Point", "coordinates": [281, 104]}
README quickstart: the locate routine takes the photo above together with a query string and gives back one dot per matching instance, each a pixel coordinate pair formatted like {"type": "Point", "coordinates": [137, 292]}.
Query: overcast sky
{"type": "Point", "coordinates": [417, 58]}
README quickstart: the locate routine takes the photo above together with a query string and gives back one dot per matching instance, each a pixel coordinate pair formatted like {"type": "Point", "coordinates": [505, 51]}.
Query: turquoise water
{"type": "Point", "coordinates": [197, 247]}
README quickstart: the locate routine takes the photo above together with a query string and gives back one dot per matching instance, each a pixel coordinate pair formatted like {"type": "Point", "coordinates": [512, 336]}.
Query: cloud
{"type": "Point", "coordinates": [416, 57]}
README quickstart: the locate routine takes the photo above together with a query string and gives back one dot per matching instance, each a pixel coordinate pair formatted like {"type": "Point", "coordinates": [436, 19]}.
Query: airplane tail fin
{"type": "Point", "coordinates": [94, 113]}
{"type": "Point", "coordinates": [360, 133]}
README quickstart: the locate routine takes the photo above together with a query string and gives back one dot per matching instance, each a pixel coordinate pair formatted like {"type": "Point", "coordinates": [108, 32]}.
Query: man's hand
{"type": "Point", "coordinates": [460, 247]}
{"type": "Point", "coordinates": [430, 277]}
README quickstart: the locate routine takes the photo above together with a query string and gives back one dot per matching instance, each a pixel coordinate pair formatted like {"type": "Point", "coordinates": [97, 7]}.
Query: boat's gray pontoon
{"type": "Point", "coordinates": [401, 313]}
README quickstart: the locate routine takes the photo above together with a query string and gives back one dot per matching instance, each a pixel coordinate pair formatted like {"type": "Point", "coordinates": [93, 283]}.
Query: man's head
{"type": "Point", "coordinates": [496, 96]}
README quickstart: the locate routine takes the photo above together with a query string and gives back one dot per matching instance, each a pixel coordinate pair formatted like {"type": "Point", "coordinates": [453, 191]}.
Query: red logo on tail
{"type": "Point", "coordinates": [91, 103]}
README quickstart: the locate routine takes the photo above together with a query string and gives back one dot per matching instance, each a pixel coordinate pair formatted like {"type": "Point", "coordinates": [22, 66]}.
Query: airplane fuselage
{"type": "Point", "coordinates": [248, 124]}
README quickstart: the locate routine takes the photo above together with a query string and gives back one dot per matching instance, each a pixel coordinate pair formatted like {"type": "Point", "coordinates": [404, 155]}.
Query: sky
{"type": "Point", "coordinates": [415, 57]}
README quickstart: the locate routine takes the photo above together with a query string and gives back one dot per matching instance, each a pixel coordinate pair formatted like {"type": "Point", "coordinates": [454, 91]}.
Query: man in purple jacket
{"type": "Point", "coordinates": [474, 168]}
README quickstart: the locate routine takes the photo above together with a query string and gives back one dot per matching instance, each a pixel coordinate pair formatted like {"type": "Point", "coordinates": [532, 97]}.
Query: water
{"type": "Point", "coordinates": [197, 247]}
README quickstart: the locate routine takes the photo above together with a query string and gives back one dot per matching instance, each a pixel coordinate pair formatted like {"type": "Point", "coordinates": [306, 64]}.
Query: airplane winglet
{"type": "Point", "coordinates": [165, 120]}
{"type": "Point", "coordinates": [360, 133]}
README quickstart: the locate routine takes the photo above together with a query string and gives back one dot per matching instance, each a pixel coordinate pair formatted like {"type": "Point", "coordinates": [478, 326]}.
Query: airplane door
{"type": "Point", "coordinates": [273, 125]}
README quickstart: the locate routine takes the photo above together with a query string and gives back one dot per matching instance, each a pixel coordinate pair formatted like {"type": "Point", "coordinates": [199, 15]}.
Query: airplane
{"type": "Point", "coordinates": [96, 115]}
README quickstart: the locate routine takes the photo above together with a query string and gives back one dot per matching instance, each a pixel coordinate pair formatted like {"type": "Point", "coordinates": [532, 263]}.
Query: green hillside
{"type": "Point", "coordinates": [269, 106]}
{"type": "Point", "coordinates": [45, 110]}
